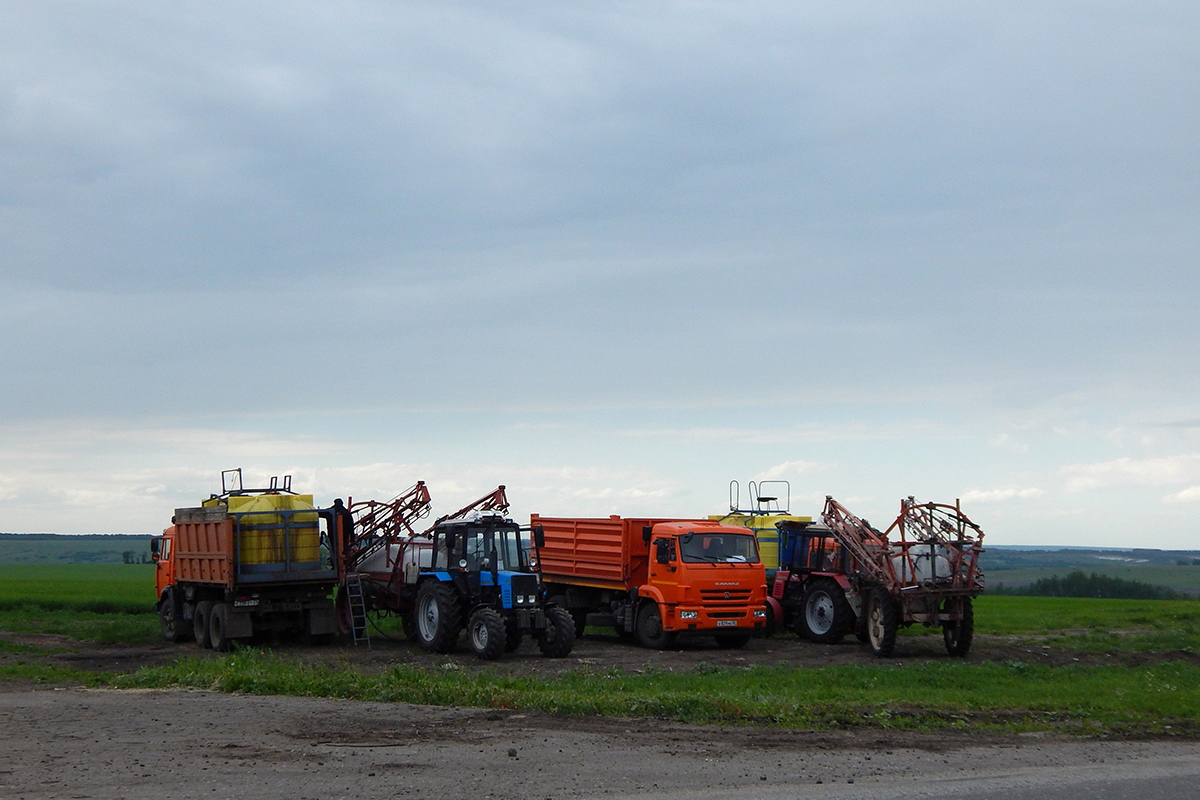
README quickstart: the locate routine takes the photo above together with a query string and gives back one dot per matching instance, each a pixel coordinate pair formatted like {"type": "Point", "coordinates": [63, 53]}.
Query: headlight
{"type": "Point", "coordinates": [532, 599]}
{"type": "Point", "coordinates": [520, 599]}
{"type": "Point", "coordinates": [760, 612]}
{"type": "Point", "coordinates": [689, 614]}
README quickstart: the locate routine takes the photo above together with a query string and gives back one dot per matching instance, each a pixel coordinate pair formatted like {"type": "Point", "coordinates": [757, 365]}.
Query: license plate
{"type": "Point", "coordinates": [727, 623]}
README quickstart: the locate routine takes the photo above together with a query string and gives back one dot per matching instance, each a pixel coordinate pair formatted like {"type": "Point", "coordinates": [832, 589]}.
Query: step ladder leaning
{"type": "Point", "coordinates": [358, 609]}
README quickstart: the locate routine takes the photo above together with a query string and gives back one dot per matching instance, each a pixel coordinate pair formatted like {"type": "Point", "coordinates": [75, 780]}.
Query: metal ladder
{"type": "Point", "coordinates": [358, 609]}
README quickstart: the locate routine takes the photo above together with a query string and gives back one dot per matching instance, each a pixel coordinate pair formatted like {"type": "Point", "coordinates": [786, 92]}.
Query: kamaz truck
{"type": "Point", "coordinates": [247, 562]}
{"type": "Point", "coordinates": [654, 579]}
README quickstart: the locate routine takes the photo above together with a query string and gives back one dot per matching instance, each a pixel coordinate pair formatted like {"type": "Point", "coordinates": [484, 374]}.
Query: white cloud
{"type": "Point", "coordinates": [1006, 442]}
{"type": "Point", "coordinates": [790, 469]}
{"type": "Point", "coordinates": [1001, 495]}
{"type": "Point", "coordinates": [1158, 471]}
{"type": "Point", "coordinates": [1188, 495]}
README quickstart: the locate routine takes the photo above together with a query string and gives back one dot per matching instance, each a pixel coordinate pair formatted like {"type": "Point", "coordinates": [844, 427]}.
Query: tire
{"type": "Point", "coordinates": [732, 641]}
{"type": "Point", "coordinates": [486, 634]}
{"type": "Point", "coordinates": [558, 637]}
{"type": "Point", "coordinates": [825, 614]}
{"type": "Point", "coordinates": [579, 615]}
{"type": "Point", "coordinates": [649, 628]}
{"type": "Point", "coordinates": [345, 616]}
{"type": "Point", "coordinates": [408, 623]}
{"type": "Point", "coordinates": [200, 623]}
{"type": "Point", "coordinates": [883, 620]}
{"type": "Point", "coordinates": [958, 635]}
{"type": "Point", "coordinates": [439, 617]}
{"type": "Point", "coordinates": [513, 635]}
{"type": "Point", "coordinates": [174, 628]}
{"type": "Point", "coordinates": [218, 627]}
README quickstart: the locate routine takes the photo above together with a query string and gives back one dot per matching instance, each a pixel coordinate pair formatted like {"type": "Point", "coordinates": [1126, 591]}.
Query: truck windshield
{"type": "Point", "coordinates": [719, 547]}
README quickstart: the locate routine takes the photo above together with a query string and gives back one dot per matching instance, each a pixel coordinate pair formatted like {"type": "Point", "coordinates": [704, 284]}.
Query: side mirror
{"type": "Point", "coordinates": [539, 536]}
{"type": "Point", "coordinates": [646, 531]}
{"type": "Point", "coordinates": [154, 545]}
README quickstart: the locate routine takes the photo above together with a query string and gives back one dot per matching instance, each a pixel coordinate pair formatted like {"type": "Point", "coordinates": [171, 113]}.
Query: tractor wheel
{"type": "Point", "coordinates": [439, 617]}
{"type": "Point", "coordinates": [200, 623]}
{"type": "Point", "coordinates": [825, 613]}
{"type": "Point", "coordinates": [732, 641]}
{"type": "Point", "coordinates": [513, 635]}
{"type": "Point", "coordinates": [218, 627]}
{"type": "Point", "coordinates": [958, 634]}
{"type": "Point", "coordinates": [174, 628]}
{"type": "Point", "coordinates": [408, 623]}
{"type": "Point", "coordinates": [649, 628]}
{"type": "Point", "coordinates": [558, 637]}
{"type": "Point", "coordinates": [883, 620]}
{"type": "Point", "coordinates": [486, 634]}
{"type": "Point", "coordinates": [579, 615]}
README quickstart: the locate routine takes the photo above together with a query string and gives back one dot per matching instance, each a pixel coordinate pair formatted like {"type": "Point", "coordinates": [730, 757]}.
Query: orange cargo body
{"type": "Point", "coordinates": [654, 578]}
{"type": "Point", "coordinates": [204, 552]}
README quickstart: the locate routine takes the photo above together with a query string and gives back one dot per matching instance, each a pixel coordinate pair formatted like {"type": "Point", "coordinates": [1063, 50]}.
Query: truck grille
{"type": "Point", "coordinates": [723, 596]}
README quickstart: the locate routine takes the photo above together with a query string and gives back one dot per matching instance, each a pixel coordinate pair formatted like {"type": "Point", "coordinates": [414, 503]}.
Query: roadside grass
{"type": "Point", "coordinates": [46, 674]}
{"type": "Point", "coordinates": [83, 625]}
{"type": "Point", "coordinates": [1014, 696]}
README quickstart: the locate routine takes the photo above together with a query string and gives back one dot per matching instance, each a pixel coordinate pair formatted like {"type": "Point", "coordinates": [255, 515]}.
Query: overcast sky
{"type": "Point", "coordinates": [612, 255]}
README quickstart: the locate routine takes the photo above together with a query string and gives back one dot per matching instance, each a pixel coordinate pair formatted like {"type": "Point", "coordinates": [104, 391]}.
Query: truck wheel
{"type": "Point", "coordinates": [650, 631]}
{"type": "Point", "coordinates": [883, 620]}
{"type": "Point", "coordinates": [218, 627]}
{"type": "Point", "coordinates": [825, 612]}
{"type": "Point", "coordinates": [958, 634]}
{"type": "Point", "coordinates": [732, 641]}
{"type": "Point", "coordinates": [513, 635]}
{"type": "Point", "coordinates": [558, 637]}
{"type": "Point", "coordinates": [200, 623]}
{"type": "Point", "coordinates": [439, 617]}
{"type": "Point", "coordinates": [486, 634]}
{"type": "Point", "coordinates": [174, 628]}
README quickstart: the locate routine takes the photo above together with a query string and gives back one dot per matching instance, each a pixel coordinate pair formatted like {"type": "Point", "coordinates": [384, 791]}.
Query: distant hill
{"type": "Point", "coordinates": [87, 548]}
{"type": "Point", "coordinates": [1002, 557]}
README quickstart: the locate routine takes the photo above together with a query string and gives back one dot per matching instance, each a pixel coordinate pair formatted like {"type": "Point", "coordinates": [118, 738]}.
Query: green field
{"type": "Point", "coordinates": [1098, 696]}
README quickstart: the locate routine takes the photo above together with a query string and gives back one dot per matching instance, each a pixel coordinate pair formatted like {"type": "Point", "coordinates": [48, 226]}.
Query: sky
{"type": "Point", "coordinates": [613, 256]}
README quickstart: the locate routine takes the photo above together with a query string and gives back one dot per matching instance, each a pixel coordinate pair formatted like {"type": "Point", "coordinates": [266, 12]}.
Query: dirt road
{"type": "Point", "coordinates": [66, 742]}
{"type": "Point", "coordinates": [76, 743]}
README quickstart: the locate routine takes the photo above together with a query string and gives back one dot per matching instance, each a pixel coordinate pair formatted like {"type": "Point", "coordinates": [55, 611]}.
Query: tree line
{"type": "Point", "coordinates": [1080, 584]}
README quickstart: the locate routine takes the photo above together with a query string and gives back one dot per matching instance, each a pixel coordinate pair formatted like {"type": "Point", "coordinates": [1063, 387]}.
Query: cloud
{"type": "Point", "coordinates": [1006, 442]}
{"type": "Point", "coordinates": [1160, 471]}
{"type": "Point", "coordinates": [1001, 495]}
{"type": "Point", "coordinates": [1188, 495]}
{"type": "Point", "coordinates": [790, 469]}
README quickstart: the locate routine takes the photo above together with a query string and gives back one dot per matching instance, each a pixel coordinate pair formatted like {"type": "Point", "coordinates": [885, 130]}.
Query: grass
{"type": "Point", "coordinates": [99, 588]}
{"type": "Point", "coordinates": [114, 604]}
{"type": "Point", "coordinates": [1011, 697]}
{"type": "Point", "coordinates": [104, 603]}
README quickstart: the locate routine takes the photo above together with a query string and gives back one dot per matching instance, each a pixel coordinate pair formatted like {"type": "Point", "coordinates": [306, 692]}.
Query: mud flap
{"type": "Point", "coordinates": [241, 626]}
{"type": "Point", "coordinates": [322, 621]}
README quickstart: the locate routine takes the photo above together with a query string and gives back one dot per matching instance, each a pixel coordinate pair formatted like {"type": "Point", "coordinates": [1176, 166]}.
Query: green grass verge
{"type": "Point", "coordinates": [1011, 697]}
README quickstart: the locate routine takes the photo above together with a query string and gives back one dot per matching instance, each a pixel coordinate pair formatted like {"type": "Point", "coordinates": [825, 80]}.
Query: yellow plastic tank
{"type": "Point", "coordinates": [764, 529]}
{"type": "Point", "coordinates": [269, 541]}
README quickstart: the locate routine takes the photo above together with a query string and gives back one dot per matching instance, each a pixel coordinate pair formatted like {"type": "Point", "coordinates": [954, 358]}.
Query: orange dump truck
{"type": "Point", "coordinates": [654, 579]}
{"type": "Point", "coordinates": [247, 562]}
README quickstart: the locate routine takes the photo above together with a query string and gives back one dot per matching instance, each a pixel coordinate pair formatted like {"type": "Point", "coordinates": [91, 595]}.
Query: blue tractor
{"type": "Point", "coordinates": [481, 578]}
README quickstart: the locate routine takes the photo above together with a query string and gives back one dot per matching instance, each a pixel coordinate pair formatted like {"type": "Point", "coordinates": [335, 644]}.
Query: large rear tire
{"type": "Point", "coordinates": [218, 627]}
{"type": "Point", "coordinates": [825, 613]}
{"type": "Point", "coordinates": [579, 616]}
{"type": "Point", "coordinates": [513, 635]}
{"type": "Point", "coordinates": [200, 619]}
{"type": "Point", "coordinates": [439, 617]}
{"type": "Point", "coordinates": [486, 634]}
{"type": "Point", "coordinates": [958, 635]}
{"type": "Point", "coordinates": [174, 628]}
{"type": "Point", "coordinates": [558, 637]}
{"type": "Point", "coordinates": [883, 621]}
{"type": "Point", "coordinates": [649, 628]}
